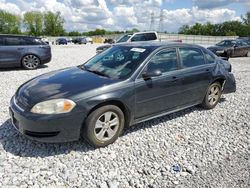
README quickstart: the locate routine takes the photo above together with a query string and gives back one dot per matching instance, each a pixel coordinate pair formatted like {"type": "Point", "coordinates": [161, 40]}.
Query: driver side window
{"type": "Point", "coordinates": [165, 61]}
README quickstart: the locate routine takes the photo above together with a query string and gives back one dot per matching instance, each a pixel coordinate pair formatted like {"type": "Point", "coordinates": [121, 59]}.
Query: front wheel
{"type": "Point", "coordinates": [103, 126]}
{"type": "Point", "coordinates": [212, 96]}
{"type": "Point", "coordinates": [30, 62]}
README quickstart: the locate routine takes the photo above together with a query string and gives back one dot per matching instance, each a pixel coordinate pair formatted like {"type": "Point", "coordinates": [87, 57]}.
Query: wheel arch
{"type": "Point", "coordinates": [221, 80]}
{"type": "Point", "coordinates": [29, 54]}
{"type": "Point", "coordinates": [119, 104]}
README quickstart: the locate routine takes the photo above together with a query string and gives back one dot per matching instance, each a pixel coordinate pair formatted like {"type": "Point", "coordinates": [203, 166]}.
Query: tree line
{"type": "Point", "coordinates": [229, 28]}
{"type": "Point", "coordinates": [33, 23]}
{"type": "Point", "coordinates": [43, 24]}
{"type": "Point", "coordinates": [52, 24]}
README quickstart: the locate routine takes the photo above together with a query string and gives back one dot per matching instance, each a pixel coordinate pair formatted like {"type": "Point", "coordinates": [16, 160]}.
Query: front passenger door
{"type": "Point", "coordinates": [162, 93]}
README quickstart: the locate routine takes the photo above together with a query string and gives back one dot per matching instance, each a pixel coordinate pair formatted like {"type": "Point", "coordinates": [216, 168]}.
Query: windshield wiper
{"type": "Point", "coordinates": [95, 72]}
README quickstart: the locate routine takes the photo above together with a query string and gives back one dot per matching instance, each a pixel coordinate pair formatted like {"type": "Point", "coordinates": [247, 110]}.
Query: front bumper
{"type": "Point", "coordinates": [46, 128]}
{"type": "Point", "coordinates": [230, 84]}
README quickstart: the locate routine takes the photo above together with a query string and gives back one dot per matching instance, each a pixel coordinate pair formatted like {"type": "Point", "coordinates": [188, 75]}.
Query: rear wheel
{"type": "Point", "coordinates": [103, 126]}
{"type": "Point", "coordinates": [30, 62]}
{"type": "Point", "coordinates": [212, 96]}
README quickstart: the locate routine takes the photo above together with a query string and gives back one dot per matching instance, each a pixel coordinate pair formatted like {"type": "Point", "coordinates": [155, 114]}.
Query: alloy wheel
{"type": "Point", "coordinates": [214, 95]}
{"type": "Point", "coordinates": [31, 62]}
{"type": "Point", "coordinates": [107, 126]}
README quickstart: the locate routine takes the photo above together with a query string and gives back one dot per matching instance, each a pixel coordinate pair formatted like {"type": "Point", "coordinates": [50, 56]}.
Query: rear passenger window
{"type": "Point", "coordinates": [164, 61]}
{"type": "Point", "coordinates": [144, 37]}
{"type": "Point", "coordinates": [32, 41]}
{"type": "Point", "coordinates": [139, 37]}
{"type": "Point", "coordinates": [151, 36]}
{"type": "Point", "coordinates": [13, 41]}
{"type": "Point", "coordinates": [191, 57]}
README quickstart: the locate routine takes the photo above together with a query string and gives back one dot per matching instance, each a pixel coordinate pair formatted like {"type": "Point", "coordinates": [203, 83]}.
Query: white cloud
{"type": "Point", "coordinates": [85, 15]}
{"type": "Point", "coordinates": [207, 4]}
{"type": "Point", "coordinates": [10, 7]}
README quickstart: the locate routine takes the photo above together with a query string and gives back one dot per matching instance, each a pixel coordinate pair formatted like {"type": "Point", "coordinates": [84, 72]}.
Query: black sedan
{"type": "Point", "coordinates": [62, 41]}
{"type": "Point", "coordinates": [231, 48]}
{"type": "Point", "coordinates": [122, 86]}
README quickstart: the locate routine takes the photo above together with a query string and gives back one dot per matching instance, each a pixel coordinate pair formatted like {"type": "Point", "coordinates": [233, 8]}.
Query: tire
{"type": "Point", "coordinates": [212, 96]}
{"type": "Point", "coordinates": [30, 62]}
{"type": "Point", "coordinates": [99, 130]}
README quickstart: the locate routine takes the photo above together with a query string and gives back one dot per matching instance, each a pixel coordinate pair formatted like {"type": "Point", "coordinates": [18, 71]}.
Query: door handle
{"type": "Point", "coordinates": [174, 78]}
{"type": "Point", "coordinates": [20, 48]}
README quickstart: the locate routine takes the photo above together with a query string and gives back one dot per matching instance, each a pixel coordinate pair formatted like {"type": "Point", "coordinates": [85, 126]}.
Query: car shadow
{"type": "Point", "coordinates": [17, 144]}
{"type": "Point", "coordinates": [20, 68]}
{"type": "Point", "coordinates": [155, 121]}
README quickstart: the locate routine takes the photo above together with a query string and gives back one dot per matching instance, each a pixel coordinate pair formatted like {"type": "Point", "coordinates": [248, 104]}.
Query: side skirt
{"type": "Point", "coordinates": [163, 114]}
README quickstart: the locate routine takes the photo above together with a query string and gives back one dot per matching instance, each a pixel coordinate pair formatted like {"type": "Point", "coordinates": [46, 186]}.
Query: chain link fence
{"type": "Point", "coordinates": [191, 39]}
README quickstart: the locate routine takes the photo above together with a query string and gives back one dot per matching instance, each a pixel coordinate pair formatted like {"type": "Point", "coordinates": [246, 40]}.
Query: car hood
{"type": "Point", "coordinates": [63, 83]}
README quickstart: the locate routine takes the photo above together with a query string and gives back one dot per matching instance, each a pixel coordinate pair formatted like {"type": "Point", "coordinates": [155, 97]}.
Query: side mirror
{"type": "Point", "coordinates": [150, 74]}
{"type": "Point", "coordinates": [235, 46]}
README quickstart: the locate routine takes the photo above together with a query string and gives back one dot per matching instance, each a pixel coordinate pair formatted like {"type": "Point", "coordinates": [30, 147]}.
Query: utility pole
{"type": "Point", "coordinates": [152, 22]}
{"type": "Point", "coordinates": [160, 22]}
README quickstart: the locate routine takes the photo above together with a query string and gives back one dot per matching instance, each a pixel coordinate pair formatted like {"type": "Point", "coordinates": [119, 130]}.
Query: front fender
{"type": "Point", "coordinates": [123, 96]}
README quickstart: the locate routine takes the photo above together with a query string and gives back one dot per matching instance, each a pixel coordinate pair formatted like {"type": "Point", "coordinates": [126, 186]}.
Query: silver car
{"type": "Point", "coordinates": [23, 51]}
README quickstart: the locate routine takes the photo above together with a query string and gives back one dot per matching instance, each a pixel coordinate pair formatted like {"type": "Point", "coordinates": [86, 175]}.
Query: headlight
{"type": "Point", "coordinates": [54, 106]}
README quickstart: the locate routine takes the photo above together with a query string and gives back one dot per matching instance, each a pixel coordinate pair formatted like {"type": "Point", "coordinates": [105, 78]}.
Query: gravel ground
{"type": "Point", "coordinates": [191, 148]}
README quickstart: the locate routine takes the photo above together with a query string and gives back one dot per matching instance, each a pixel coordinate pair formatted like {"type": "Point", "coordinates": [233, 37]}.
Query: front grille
{"type": "Point", "coordinates": [40, 134]}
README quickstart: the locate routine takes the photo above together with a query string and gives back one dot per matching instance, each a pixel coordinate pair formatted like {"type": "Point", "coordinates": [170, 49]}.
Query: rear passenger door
{"type": "Point", "coordinates": [196, 74]}
{"type": "Point", "coordinates": [240, 49]}
{"type": "Point", "coordinates": [11, 51]}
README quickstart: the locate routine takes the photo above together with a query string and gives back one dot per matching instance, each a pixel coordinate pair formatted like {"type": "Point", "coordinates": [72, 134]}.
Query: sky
{"type": "Point", "coordinates": [85, 15]}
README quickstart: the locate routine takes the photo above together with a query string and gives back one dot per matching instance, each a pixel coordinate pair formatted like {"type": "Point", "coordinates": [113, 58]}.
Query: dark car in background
{"type": "Point", "coordinates": [23, 51]}
{"type": "Point", "coordinates": [83, 40]}
{"type": "Point", "coordinates": [222, 45]}
{"type": "Point", "coordinates": [61, 41]}
{"type": "Point", "coordinates": [245, 39]}
{"type": "Point", "coordinates": [231, 48]}
{"type": "Point", "coordinates": [126, 84]}
{"type": "Point", "coordinates": [109, 41]}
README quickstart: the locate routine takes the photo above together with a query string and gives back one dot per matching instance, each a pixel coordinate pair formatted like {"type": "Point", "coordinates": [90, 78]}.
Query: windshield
{"type": "Point", "coordinates": [118, 62]}
{"type": "Point", "coordinates": [124, 38]}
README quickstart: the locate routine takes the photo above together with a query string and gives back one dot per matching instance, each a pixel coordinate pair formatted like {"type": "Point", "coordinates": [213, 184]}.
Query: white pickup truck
{"type": "Point", "coordinates": [135, 37]}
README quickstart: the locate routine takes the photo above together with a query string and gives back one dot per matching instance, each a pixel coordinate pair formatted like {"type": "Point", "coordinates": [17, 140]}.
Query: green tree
{"type": "Point", "coordinates": [74, 33]}
{"type": "Point", "coordinates": [184, 29]}
{"type": "Point", "coordinates": [9, 23]}
{"type": "Point", "coordinates": [33, 22]}
{"type": "Point", "coordinates": [53, 24]}
{"type": "Point", "coordinates": [246, 19]}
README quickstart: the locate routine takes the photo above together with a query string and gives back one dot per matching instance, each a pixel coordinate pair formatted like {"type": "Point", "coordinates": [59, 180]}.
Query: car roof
{"type": "Point", "coordinates": [155, 44]}
{"type": "Point", "coordinates": [9, 35]}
